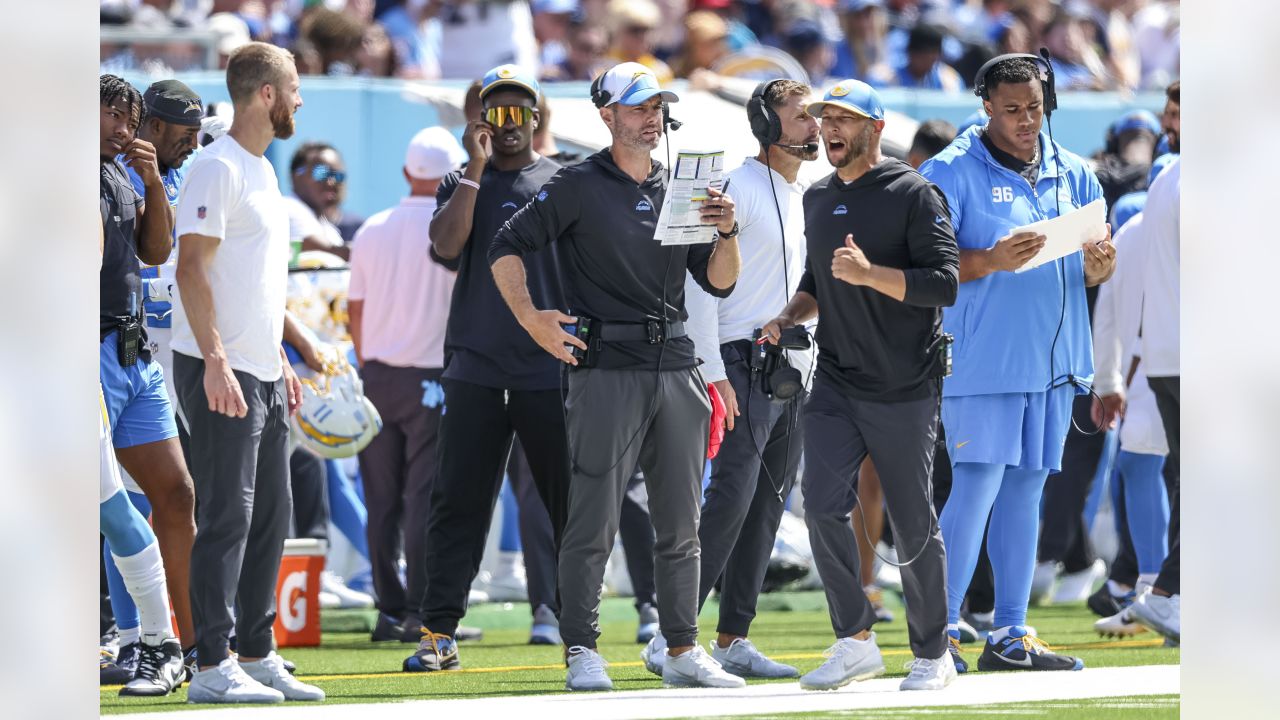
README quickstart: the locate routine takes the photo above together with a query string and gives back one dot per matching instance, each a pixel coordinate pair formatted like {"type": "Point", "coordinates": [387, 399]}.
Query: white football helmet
{"type": "Point", "coordinates": [335, 420]}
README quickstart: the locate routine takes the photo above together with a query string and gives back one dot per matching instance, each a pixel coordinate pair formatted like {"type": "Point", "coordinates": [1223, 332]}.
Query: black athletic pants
{"type": "Point", "coordinates": [1064, 536]}
{"type": "Point", "coordinates": [1168, 400]}
{"type": "Point", "coordinates": [476, 430]}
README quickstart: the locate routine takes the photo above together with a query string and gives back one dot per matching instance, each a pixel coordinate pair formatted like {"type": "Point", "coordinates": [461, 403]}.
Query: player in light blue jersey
{"type": "Point", "coordinates": [1022, 345]}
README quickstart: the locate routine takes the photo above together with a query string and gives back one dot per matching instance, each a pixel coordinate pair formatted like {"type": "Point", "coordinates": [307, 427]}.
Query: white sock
{"type": "Point", "coordinates": [1116, 589]}
{"type": "Point", "coordinates": [1145, 581]}
{"type": "Point", "coordinates": [128, 636]}
{"type": "Point", "coordinates": [143, 575]}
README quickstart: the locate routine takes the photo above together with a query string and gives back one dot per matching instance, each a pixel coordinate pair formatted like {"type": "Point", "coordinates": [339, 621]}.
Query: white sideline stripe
{"type": "Point", "coordinates": [771, 699]}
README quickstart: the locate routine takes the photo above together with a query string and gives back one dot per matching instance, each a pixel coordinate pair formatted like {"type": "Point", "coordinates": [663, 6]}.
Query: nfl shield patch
{"type": "Point", "coordinates": [200, 212]}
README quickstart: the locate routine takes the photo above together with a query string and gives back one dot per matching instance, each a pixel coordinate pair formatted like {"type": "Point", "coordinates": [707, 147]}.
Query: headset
{"type": "Point", "coordinates": [1046, 78]}
{"type": "Point", "coordinates": [766, 126]}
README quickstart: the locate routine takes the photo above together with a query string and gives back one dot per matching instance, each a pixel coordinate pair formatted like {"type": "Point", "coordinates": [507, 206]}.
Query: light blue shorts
{"type": "Point", "coordinates": [137, 404]}
{"type": "Point", "coordinates": [1020, 430]}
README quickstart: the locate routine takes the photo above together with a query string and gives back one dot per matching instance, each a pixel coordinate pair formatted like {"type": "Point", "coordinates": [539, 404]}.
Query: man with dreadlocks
{"type": "Point", "coordinates": [137, 229]}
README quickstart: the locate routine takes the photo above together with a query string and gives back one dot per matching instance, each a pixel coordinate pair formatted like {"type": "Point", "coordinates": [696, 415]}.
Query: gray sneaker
{"type": "Point", "coordinates": [848, 660]}
{"type": "Point", "coordinates": [270, 672]}
{"type": "Point", "coordinates": [742, 658]}
{"type": "Point", "coordinates": [586, 670]}
{"type": "Point", "coordinates": [654, 654]}
{"type": "Point", "coordinates": [229, 683]}
{"type": "Point", "coordinates": [929, 674]}
{"type": "Point", "coordinates": [695, 668]}
{"type": "Point", "coordinates": [546, 627]}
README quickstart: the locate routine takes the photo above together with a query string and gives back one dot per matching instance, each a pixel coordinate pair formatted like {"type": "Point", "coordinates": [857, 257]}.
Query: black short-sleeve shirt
{"type": "Point", "coordinates": [120, 280]}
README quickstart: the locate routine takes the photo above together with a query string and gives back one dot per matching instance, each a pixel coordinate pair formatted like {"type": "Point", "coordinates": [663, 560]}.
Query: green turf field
{"type": "Point", "coordinates": [1134, 708]}
{"type": "Point", "coordinates": [791, 627]}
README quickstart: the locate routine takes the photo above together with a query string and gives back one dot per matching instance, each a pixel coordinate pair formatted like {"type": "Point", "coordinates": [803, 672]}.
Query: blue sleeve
{"type": "Point", "coordinates": [946, 178]}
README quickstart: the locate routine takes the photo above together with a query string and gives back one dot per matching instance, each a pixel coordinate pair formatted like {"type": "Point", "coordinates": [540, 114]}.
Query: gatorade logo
{"type": "Point", "coordinates": [292, 603]}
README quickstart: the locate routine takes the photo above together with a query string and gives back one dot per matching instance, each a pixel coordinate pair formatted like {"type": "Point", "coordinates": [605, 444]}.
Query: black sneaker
{"type": "Point", "coordinates": [1104, 604]}
{"type": "Point", "coordinates": [189, 664]}
{"type": "Point", "coordinates": [160, 669]}
{"type": "Point", "coordinates": [123, 668]}
{"type": "Point", "coordinates": [387, 629]}
{"type": "Point", "coordinates": [435, 652]}
{"type": "Point", "coordinates": [953, 647]}
{"type": "Point", "coordinates": [1019, 650]}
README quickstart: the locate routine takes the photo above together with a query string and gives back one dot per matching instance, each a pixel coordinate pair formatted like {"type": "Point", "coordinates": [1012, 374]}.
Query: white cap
{"type": "Point", "coordinates": [628, 83]}
{"type": "Point", "coordinates": [433, 153]}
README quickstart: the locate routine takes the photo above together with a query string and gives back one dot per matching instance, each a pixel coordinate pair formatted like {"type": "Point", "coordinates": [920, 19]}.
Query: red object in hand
{"type": "Point", "coordinates": [718, 414]}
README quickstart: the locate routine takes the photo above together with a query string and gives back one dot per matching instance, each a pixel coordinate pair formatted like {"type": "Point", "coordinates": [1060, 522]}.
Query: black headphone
{"type": "Point", "coordinates": [1046, 77]}
{"type": "Point", "coordinates": [601, 97]}
{"type": "Point", "coordinates": [766, 126]}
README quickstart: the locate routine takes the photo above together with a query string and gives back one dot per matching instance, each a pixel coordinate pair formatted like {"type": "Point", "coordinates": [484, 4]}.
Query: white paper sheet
{"type": "Point", "coordinates": [1066, 233]}
{"type": "Point", "coordinates": [680, 220]}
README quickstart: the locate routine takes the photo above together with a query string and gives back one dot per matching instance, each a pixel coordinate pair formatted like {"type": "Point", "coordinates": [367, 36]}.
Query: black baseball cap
{"type": "Point", "coordinates": [173, 102]}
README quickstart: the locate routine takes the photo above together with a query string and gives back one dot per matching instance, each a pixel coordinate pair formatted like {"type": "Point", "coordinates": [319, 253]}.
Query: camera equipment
{"type": "Point", "coordinates": [586, 331]}
{"type": "Point", "coordinates": [778, 380]}
{"type": "Point", "coordinates": [940, 351]}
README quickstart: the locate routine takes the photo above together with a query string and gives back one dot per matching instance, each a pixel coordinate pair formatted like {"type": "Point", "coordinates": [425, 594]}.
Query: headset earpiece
{"type": "Point", "coordinates": [1043, 66]}
{"type": "Point", "coordinates": [599, 96]}
{"type": "Point", "coordinates": [765, 124]}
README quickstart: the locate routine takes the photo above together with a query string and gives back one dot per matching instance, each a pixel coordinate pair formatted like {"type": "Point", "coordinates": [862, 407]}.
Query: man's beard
{"type": "Point", "coordinates": [636, 140]}
{"type": "Point", "coordinates": [857, 147]}
{"type": "Point", "coordinates": [281, 120]}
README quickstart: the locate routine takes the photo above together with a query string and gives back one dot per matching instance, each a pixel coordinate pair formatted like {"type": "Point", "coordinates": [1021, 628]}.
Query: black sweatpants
{"type": "Point", "coordinates": [477, 426]}
{"type": "Point", "coordinates": [1168, 400]}
{"type": "Point", "coordinates": [398, 469]}
{"type": "Point", "coordinates": [241, 471]}
{"type": "Point", "coordinates": [743, 505]}
{"type": "Point", "coordinates": [537, 539]}
{"type": "Point", "coordinates": [309, 484]}
{"type": "Point", "coordinates": [840, 432]}
{"type": "Point", "coordinates": [1064, 535]}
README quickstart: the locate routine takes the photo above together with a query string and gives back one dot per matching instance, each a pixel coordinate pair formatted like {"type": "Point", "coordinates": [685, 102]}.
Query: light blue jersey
{"type": "Point", "coordinates": [159, 311]}
{"type": "Point", "coordinates": [1005, 324]}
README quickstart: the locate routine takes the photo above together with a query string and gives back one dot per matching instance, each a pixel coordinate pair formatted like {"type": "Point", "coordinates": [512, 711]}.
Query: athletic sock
{"type": "Point", "coordinates": [1116, 589]}
{"type": "Point", "coordinates": [128, 636]}
{"type": "Point", "coordinates": [953, 628]}
{"type": "Point", "coordinates": [144, 577]}
{"type": "Point", "coordinates": [1145, 581]}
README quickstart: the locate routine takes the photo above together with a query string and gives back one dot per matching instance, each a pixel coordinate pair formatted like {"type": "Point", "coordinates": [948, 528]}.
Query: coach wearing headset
{"type": "Point", "coordinates": [1022, 345]}
{"type": "Point", "coordinates": [758, 459]}
{"type": "Point", "coordinates": [881, 264]}
{"type": "Point", "coordinates": [642, 398]}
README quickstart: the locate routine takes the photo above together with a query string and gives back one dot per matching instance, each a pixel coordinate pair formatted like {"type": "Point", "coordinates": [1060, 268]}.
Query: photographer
{"type": "Point", "coordinates": [758, 459]}
{"type": "Point", "coordinates": [635, 395]}
{"type": "Point", "coordinates": [882, 262]}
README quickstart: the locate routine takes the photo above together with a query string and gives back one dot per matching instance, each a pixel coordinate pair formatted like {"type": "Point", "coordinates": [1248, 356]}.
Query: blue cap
{"type": "Point", "coordinates": [852, 6]}
{"type": "Point", "coordinates": [1159, 164]}
{"type": "Point", "coordinates": [554, 7]}
{"type": "Point", "coordinates": [509, 75]}
{"type": "Point", "coordinates": [1136, 120]}
{"type": "Point", "coordinates": [852, 95]}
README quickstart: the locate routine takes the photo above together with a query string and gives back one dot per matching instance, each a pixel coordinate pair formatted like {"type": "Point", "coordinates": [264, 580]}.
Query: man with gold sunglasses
{"type": "Point", "coordinates": [498, 383]}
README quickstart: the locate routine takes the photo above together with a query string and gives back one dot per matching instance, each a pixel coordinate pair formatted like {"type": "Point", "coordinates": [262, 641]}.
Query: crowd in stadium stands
{"type": "Point", "coordinates": [934, 44]}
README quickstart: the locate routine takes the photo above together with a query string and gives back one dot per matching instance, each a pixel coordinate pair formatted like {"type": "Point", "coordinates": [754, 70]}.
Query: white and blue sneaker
{"type": "Point", "coordinates": [847, 661]}
{"type": "Point", "coordinates": [1016, 648]}
{"type": "Point", "coordinates": [546, 627]}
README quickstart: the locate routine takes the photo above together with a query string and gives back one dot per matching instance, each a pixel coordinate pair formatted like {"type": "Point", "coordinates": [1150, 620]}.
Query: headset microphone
{"type": "Point", "coordinates": [807, 147]}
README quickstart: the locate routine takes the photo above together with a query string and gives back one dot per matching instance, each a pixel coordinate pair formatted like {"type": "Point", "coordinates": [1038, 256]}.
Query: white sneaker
{"type": "Point", "coordinates": [346, 597]}
{"type": "Point", "coordinates": [1122, 624]}
{"type": "Point", "coordinates": [586, 670]}
{"type": "Point", "coordinates": [1042, 582]}
{"type": "Point", "coordinates": [229, 683]}
{"type": "Point", "coordinates": [848, 660]}
{"type": "Point", "coordinates": [1077, 586]}
{"type": "Point", "coordinates": [1162, 614]}
{"type": "Point", "coordinates": [929, 674]}
{"type": "Point", "coordinates": [742, 658]}
{"type": "Point", "coordinates": [655, 654]}
{"type": "Point", "coordinates": [508, 582]}
{"type": "Point", "coordinates": [695, 668]}
{"type": "Point", "coordinates": [477, 597]}
{"type": "Point", "coordinates": [270, 672]}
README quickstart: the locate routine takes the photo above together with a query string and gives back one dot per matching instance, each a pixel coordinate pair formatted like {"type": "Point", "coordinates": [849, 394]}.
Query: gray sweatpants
{"type": "Point", "coordinates": [243, 504]}
{"type": "Point", "coordinates": [839, 432]}
{"type": "Point", "coordinates": [611, 430]}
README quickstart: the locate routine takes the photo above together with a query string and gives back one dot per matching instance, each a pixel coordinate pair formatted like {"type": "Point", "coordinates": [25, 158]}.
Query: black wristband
{"type": "Point", "coordinates": [729, 235]}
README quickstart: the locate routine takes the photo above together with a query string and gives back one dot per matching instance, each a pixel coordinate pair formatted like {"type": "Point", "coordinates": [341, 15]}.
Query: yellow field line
{"type": "Point", "coordinates": [906, 652]}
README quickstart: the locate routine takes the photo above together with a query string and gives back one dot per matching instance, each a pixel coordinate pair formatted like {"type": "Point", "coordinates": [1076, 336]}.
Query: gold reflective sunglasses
{"type": "Point", "coordinates": [498, 116]}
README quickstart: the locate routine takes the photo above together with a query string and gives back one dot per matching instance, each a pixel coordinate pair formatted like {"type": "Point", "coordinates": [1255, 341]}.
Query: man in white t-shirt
{"type": "Point", "coordinates": [234, 384]}
{"type": "Point", "coordinates": [398, 305]}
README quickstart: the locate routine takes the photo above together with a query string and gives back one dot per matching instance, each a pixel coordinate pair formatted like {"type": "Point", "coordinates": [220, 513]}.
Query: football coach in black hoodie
{"type": "Point", "coordinates": [882, 263]}
{"type": "Point", "coordinates": [634, 394]}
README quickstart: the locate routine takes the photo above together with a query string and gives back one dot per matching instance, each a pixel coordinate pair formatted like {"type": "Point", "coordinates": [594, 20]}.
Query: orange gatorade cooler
{"type": "Point", "coordinates": [298, 593]}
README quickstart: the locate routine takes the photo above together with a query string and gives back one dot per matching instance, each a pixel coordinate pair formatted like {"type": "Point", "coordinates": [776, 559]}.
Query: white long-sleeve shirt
{"type": "Point", "coordinates": [760, 293]}
{"type": "Point", "coordinates": [1162, 287]}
